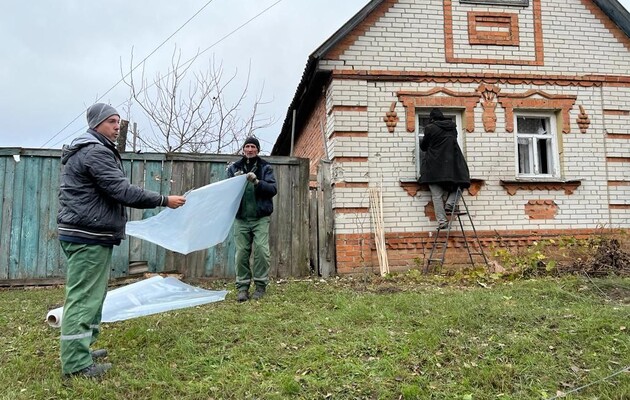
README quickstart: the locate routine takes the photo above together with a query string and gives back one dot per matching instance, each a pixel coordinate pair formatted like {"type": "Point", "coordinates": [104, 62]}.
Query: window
{"type": "Point", "coordinates": [536, 147]}
{"type": "Point", "coordinates": [422, 120]}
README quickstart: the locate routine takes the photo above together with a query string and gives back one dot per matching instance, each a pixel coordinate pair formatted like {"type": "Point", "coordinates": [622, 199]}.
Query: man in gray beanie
{"type": "Point", "coordinates": [93, 194]}
{"type": "Point", "coordinates": [98, 113]}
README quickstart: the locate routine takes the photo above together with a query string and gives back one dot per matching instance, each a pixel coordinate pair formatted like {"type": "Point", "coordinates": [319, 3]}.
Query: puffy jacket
{"type": "Point", "coordinates": [94, 192]}
{"type": "Point", "coordinates": [266, 188]}
{"type": "Point", "coordinates": [444, 162]}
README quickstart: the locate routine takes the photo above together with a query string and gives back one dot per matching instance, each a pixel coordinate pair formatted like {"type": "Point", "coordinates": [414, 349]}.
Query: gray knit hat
{"type": "Point", "coordinates": [98, 113]}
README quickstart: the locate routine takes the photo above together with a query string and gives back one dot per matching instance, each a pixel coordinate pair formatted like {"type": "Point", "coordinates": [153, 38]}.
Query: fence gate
{"type": "Point", "coordinates": [322, 238]}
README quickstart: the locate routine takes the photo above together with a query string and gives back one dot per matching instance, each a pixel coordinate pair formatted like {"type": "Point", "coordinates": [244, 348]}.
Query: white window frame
{"type": "Point", "coordinates": [535, 160]}
{"type": "Point", "coordinates": [424, 113]}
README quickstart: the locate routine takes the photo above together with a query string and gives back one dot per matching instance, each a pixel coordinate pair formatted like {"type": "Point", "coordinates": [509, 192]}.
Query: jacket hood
{"type": "Point", "coordinates": [88, 137]}
{"type": "Point", "coordinates": [446, 124]}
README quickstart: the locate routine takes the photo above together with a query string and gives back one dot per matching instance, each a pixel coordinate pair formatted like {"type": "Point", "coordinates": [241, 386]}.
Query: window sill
{"type": "Point", "coordinates": [512, 186]}
{"type": "Point", "coordinates": [412, 187]}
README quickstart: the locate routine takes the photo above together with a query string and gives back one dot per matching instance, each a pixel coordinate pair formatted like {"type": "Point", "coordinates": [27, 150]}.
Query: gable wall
{"type": "Point", "coordinates": [401, 52]}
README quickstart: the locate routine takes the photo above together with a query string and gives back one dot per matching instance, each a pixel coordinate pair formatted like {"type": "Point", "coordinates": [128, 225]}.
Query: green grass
{"type": "Point", "coordinates": [405, 337]}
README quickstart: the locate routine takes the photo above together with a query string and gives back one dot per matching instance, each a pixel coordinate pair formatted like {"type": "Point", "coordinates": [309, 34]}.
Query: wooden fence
{"type": "Point", "coordinates": [30, 252]}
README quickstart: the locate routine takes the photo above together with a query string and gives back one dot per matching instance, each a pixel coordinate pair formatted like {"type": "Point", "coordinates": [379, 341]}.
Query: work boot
{"type": "Point", "coordinates": [443, 225]}
{"type": "Point", "coordinates": [93, 371]}
{"type": "Point", "coordinates": [99, 353]}
{"type": "Point", "coordinates": [243, 295]}
{"type": "Point", "coordinates": [259, 293]}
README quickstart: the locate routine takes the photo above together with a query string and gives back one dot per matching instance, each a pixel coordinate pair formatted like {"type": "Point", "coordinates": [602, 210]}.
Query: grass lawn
{"type": "Point", "coordinates": [403, 337]}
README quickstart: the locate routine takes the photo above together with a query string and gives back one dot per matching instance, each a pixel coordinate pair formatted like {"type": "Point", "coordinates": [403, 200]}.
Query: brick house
{"type": "Point", "coordinates": [540, 90]}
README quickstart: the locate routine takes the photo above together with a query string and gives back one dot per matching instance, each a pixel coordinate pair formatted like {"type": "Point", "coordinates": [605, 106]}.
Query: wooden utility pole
{"type": "Point", "coordinates": [122, 136]}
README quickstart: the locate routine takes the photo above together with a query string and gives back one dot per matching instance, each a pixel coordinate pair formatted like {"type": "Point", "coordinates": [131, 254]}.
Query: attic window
{"type": "Point", "coordinates": [518, 3]}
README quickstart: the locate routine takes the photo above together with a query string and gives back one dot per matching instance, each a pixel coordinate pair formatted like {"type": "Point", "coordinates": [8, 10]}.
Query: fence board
{"type": "Point", "coordinates": [29, 205]}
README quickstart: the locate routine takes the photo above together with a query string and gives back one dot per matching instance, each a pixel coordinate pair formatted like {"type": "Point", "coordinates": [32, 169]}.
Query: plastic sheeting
{"type": "Point", "coordinates": [150, 296]}
{"type": "Point", "coordinates": [204, 221]}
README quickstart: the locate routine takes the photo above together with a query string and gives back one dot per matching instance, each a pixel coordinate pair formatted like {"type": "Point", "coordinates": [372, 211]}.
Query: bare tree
{"type": "Point", "coordinates": [188, 110]}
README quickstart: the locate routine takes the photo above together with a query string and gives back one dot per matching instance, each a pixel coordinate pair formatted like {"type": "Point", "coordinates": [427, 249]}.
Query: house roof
{"type": "Point", "coordinates": [313, 79]}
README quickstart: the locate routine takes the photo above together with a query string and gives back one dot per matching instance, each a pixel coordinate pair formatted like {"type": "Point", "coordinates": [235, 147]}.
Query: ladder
{"type": "Point", "coordinates": [440, 242]}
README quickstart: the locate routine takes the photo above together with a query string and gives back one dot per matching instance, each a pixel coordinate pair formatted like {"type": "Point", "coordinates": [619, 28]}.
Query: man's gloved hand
{"type": "Point", "coordinates": [251, 177]}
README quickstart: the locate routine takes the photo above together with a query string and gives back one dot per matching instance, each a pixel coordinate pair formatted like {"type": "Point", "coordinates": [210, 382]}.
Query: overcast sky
{"type": "Point", "coordinates": [60, 56]}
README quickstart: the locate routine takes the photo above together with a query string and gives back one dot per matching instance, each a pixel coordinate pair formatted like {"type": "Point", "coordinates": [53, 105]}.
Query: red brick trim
{"type": "Point", "coordinates": [363, 185]}
{"type": "Point", "coordinates": [349, 39]}
{"type": "Point", "coordinates": [611, 26]}
{"type": "Point", "coordinates": [619, 206]}
{"type": "Point", "coordinates": [618, 159]}
{"type": "Point", "coordinates": [355, 252]}
{"type": "Point", "coordinates": [510, 101]}
{"type": "Point", "coordinates": [347, 108]}
{"type": "Point", "coordinates": [541, 209]}
{"type": "Point", "coordinates": [538, 40]}
{"type": "Point", "coordinates": [412, 188]}
{"type": "Point", "coordinates": [507, 33]}
{"type": "Point", "coordinates": [616, 112]}
{"type": "Point", "coordinates": [351, 210]}
{"type": "Point", "coordinates": [511, 187]}
{"type": "Point", "coordinates": [428, 99]}
{"type": "Point", "coordinates": [583, 121]}
{"type": "Point", "coordinates": [349, 159]}
{"type": "Point", "coordinates": [618, 135]}
{"type": "Point", "coordinates": [391, 118]}
{"type": "Point", "coordinates": [463, 77]}
{"type": "Point", "coordinates": [618, 183]}
{"type": "Point", "coordinates": [358, 134]}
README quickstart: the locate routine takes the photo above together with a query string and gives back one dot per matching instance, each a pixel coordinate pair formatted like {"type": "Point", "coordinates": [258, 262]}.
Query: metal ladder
{"type": "Point", "coordinates": [441, 245]}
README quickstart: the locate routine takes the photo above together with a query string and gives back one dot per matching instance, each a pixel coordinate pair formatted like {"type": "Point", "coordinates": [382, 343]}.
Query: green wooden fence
{"type": "Point", "coordinates": [29, 184]}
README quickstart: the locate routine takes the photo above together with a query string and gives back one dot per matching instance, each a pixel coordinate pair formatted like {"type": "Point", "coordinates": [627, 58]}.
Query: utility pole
{"type": "Point", "coordinates": [134, 132]}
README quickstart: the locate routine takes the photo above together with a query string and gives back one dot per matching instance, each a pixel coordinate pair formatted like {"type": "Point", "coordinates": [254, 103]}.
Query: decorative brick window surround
{"type": "Point", "coordinates": [413, 100]}
{"type": "Point", "coordinates": [488, 28]}
{"type": "Point", "coordinates": [510, 101]}
{"type": "Point", "coordinates": [511, 187]}
{"type": "Point", "coordinates": [412, 187]}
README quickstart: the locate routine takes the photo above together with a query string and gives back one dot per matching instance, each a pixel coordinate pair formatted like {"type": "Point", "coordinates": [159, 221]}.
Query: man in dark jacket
{"type": "Point", "coordinates": [94, 192]}
{"type": "Point", "coordinates": [251, 226]}
{"type": "Point", "coordinates": [444, 168]}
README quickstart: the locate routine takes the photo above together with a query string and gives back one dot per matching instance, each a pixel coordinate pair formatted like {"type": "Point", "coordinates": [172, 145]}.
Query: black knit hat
{"type": "Point", "coordinates": [436, 115]}
{"type": "Point", "coordinates": [253, 141]}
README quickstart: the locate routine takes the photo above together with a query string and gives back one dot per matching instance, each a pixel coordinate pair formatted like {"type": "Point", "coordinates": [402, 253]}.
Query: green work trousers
{"type": "Point", "coordinates": [86, 287]}
{"type": "Point", "coordinates": [248, 232]}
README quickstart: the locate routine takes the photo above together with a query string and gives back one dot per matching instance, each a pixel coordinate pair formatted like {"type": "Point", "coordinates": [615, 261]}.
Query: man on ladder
{"type": "Point", "coordinates": [443, 168]}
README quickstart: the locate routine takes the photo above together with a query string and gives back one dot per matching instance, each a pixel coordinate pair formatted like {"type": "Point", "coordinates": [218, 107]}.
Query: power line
{"type": "Point", "coordinates": [183, 65]}
{"type": "Point", "coordinates": [189, 61]}
{"type": "Point", "coordinates": [133, 69]}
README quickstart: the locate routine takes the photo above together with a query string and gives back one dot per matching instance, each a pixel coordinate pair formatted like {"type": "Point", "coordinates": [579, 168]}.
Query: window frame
{"type": "Point", "coordinates": [553, 136]}
{"type": "Point", "coordinates": [424, 113]}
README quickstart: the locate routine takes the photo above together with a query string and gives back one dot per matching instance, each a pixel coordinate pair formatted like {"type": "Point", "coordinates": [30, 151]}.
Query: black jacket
{"type": "Point", "coordinates": [266, 188]}
{"type": "Point", "coordinates": [94, 192]}
{"type": "Point", "coordinates": [444, 162]}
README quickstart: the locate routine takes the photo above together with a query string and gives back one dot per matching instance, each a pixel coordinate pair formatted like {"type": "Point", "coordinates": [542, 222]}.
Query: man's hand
{"type": "Point", "coordinates": [175, 201]}
{"type": "Point", "coordinates": [251, 177]}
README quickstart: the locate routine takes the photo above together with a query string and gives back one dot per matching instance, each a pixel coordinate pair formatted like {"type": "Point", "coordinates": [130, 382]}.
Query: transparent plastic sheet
{"type": "Point", "coordinates": [204, 221]}
{"type": "Point", "coordinates": [150, 296]}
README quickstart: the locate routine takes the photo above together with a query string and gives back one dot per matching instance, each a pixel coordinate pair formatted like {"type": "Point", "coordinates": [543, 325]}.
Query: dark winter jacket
{"type": "Point", "coordinates": [94, 192]}
{"type": "Point", "coordinates": [263, 191]}
{"type": "Point", "coordinates": [444, 162]}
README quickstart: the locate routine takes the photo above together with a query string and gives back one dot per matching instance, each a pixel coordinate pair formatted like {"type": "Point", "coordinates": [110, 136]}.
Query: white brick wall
{"type": "Point", "coordinates": [403, 40]}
